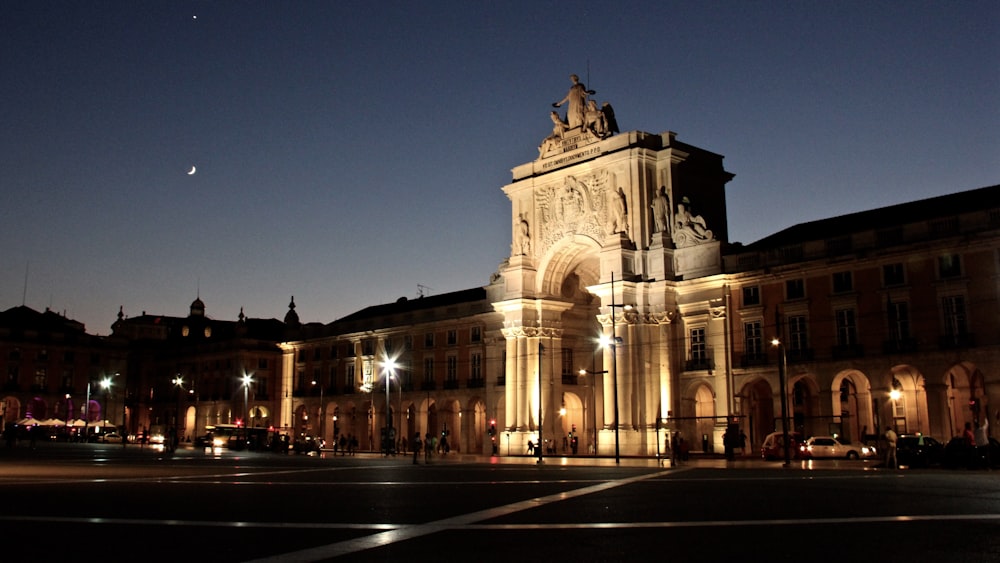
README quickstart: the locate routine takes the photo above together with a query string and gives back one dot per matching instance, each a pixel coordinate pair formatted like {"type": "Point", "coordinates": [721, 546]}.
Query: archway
{"type": "Point", "coordinates": [704, 416]}
{"type": "Point", "coordinates": [572, 421]}
{"type": "Point", "coordinates": [803, 407]}
{"type": "Point", "coordinates": [758, 407]}
{"type": "Point", "coordinates": [851, 392]}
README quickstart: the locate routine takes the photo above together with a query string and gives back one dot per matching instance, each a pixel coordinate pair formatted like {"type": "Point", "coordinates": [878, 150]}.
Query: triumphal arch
{"type": "Point", "coordinates": [614, 235]}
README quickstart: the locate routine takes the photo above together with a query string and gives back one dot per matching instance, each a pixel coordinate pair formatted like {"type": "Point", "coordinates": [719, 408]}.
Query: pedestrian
{"type": "Point", "coordinates": [983, 442]}
{"type": "Point", "coordinates": [343, 445]}
{"type": "Point", "coordinates": [416, 448]}
{"type": "Point", "coordinates": [890, 450]}
{"type": "Point", "coordinates": [675, 449]}
{"type": "Point", "coordinates": [743, 442]}
{"type": "Point", "coordinates": [428, 447]}
{"type": "Point", "coordinates": [531, 448]}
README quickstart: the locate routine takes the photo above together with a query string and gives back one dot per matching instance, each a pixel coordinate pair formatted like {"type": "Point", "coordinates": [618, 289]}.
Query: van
{"type": "Point", "coordinates": [773, 445]}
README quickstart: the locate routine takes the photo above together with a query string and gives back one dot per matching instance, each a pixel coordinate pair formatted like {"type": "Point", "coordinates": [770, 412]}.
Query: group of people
{"type": "Point", "coordinates": [346, 445]}
{"type": "Point", "coordinates": [429, 444]}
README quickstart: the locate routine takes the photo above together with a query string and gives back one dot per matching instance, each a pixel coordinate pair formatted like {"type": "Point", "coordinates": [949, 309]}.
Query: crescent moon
{"type": "Point", "coordinates": [193, 170]}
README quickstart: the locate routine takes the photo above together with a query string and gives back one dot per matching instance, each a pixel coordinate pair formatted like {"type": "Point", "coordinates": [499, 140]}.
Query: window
{"type": "Point", "coordinates": [899, 320]}
{"type": "Point", "coordinates": [41, 377]}
{"type": "Point", "coordinates": [261, 363]}
{"type": "Point", "coordinates": [333, 352]}
{"type": "Point", "coordinates": [476, 334]}
{"type": "Point", "coordinates": [368, 347]}
{"type": "Point", "coordinates": [302, 356]}
{"type": "Point", "coordinates": [429, 369]}
{"type": "Point", "coordinates": [476, 361]}
{"type": "Point", "coordinates": [798, 340]}
{"type": "Point", "coordinates": [751, 296]}
{"type": "Point", "coordinates": [67, 378]}
{"type": "Point", "coordinates": [408, 342]}
{"type": "Point", "coordinates": [387, 344]}
{"type": "Point", "coordinates": [795, 289]}
{"type": "Point", "coordinates": [949, 266]}
{"type": "Point", "coordinates": [698, 355]}
{"type": "Point", "coordinates": [843, 282]}
{"type": "Point", "coordinates": [452, 369]}
{"type": "Point", "coordinates": [847, 330]}
{"type": "Point", "coordinates": [452, 337]}
{"type": "Point", "coordinates": [429, 340]}
{"type": "Point", "coordinates": [567, 363]}
{"type": "Point", "coordinates": [752, 340]}
{"type": "Point", "coordinates": [317, 353]}
{"type": "Point", "coordinates": [349, 377]}
{"type": "Point", "coordinates": [892, 275]}
{"type": "Point", "coordinates": [954, 317]}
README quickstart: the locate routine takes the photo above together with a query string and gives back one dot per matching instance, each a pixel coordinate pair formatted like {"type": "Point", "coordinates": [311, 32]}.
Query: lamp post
{"type": "Point", "coordinates": [247, 380]}
{"type": "Point", "coordinates": [319, 411]}
{"type": "Point", "coordinates": [106, 385]}
{"type": "Point", "coordinates": [178, 382]}
{"type": "Point", "coordinates": [784, 398]}
{"type": "Point", "coordinates": [613, 344]}
{"type": "Point", "coordinates": [389, 369]}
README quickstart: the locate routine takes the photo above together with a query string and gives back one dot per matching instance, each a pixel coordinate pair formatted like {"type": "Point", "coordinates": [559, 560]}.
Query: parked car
{"type": "Point", "coordinates": [112, 438]}
{"type": "Point", "coordinates": [917, 450]}
{"type": "Point", "coordinates": [957, 455]}
{"type": "Point", "coordinates": [773, 445]}
{"type": "Point", "coordinates": [829, 446]}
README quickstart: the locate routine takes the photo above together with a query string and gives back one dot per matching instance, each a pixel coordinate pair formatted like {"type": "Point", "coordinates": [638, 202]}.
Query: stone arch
{"type": "Point", "coordinates": [450, 421]}
{"type": "Point", "coordinates": [573, 254]}
{"type": "Point", "coordinates": [572, 422]}
{"type": "Point", "coordinates": [967, 398]}
{"type": "Point", "coordinates": [803, 405]}
{"type": "Point", "coordinates": [908, 412]}
{"type": "Point", "coordinates": [474, 427]}
{"type": "Point", "coordinates": [851, 402]}
{"type": "Point", "coordinates": [189, 430]}
{"type": "Point", "coordinates": [757, 405]}
{"type": "Point", "coordinates": [11, 409]}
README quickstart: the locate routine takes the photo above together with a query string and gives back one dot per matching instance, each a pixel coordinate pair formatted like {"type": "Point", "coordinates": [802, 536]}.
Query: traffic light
{"type": "Point", "coordinates": [493, 428]}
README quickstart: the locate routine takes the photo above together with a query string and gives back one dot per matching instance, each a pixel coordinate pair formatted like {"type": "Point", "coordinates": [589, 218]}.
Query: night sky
{"type": "Point", "coordinates": [348, 152]}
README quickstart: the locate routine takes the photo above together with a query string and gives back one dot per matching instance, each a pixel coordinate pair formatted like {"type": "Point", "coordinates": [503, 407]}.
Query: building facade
{"type": "Point", "coordinates": [623, 314]}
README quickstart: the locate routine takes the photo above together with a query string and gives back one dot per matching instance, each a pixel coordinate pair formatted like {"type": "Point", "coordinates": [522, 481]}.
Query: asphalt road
{"type": "Point", "coordinates": [94, 502]}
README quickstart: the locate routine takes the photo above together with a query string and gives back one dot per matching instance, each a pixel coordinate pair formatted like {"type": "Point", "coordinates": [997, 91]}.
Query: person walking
{"type": "Point", "coordinates": [983, 442]}
{"type": "Point", "coordinates": [417, 445]}
{"type": "Point", "coordinates": [890, 451]}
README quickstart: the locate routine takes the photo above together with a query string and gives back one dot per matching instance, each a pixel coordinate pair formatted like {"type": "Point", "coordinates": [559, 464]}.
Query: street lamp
{"type": "Point", "coordinates": [178, 382]}
{"type": "Point", "coordinates": [782, 365]}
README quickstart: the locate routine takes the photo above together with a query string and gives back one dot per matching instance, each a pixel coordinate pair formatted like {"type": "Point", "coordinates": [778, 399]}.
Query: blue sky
{"type": "Point", "coordinates": [348, 151]}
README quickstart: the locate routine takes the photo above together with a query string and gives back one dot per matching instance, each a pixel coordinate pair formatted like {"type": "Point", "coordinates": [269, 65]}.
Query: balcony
{"type": "Point", "coordinates": [899, 346]}
{"type": "Point", "coordinates": [570, 379]}
{"type": "Point", "coordinates": [752, 360]}
{"type": "Point", "coordinates": [477, 383]}
{"type": "Point", "coordinates": [427, 386]}
{"type": "Point", "coordinates": [699, 364]}
{"type": "Point", "coordinates": [952, 341]}
{"type": "Point", "coordinates": [450, 384]}
{"type": "Point", "coordinates": [798, 355]}
{"type": "Point", "coordinates": [847, 351]}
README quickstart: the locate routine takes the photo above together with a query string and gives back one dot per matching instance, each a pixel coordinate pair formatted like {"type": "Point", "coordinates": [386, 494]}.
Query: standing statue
{"type": "Point", "coordinates": [522, 241]}
{"type": "Point", "coordinates": [661, 206]}
{"type": "Point", "coordinates": [577, 100]}
{"type": "Point", "coordinates": [620, 223]}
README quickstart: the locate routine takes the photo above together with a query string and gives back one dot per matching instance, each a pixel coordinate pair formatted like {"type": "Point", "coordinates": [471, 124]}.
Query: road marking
{"type": "Point", "coordinates": [414, 531]}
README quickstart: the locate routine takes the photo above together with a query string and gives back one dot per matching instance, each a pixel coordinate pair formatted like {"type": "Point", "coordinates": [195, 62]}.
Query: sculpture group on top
{"type": "Point", "coordinates": [582, 116]}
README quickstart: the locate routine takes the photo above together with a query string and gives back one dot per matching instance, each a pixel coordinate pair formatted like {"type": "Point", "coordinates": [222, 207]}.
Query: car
{"type": "Point", "coordinates": [112, 438]}
{"type": "Point", "coordinates": [958, 455]}
{"type": "Point", "coordinates": [917, 450]}
{"type": "Point", "coordinates": [773, 445]}
{"type": "Point", "coordinates": [830, 446]}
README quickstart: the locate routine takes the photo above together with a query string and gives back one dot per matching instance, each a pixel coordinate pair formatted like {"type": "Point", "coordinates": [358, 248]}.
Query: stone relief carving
{"type": "Point", "coordinates": [551, 142]}
{"type": "Point", "coordinates": [689, 229]}
{"type": "Point", "coordinates": [578, 206]}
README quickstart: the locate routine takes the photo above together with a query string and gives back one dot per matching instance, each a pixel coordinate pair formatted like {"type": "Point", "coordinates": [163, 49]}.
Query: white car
{"type": "Point", "coordinates": [112, 438]}
{"type": "Point", "coordinates": [828, 446]}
